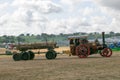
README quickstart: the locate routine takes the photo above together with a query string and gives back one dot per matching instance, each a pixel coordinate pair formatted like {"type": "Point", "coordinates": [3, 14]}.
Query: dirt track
{"type": "Point", "coordinates": [63, 67]}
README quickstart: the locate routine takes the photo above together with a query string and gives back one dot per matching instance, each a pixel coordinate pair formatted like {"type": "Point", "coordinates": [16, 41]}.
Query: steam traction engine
{"type": "Point", "coordinates": [81, 47]}
{"type": "Point", "coordinates": [26, 53]}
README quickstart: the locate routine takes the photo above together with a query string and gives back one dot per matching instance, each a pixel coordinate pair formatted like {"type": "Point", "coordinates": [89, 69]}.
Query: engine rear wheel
{"type": "Point", "coordinates": [82, 51]}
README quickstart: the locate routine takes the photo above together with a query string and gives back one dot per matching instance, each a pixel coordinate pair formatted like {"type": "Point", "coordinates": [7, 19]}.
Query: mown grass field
{"type": "Point", "coordinates": [63, 67]}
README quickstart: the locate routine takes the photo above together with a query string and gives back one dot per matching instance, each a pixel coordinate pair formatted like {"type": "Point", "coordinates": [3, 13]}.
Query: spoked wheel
{"type": "Point", "coordinates": [101, 54]}
{"type": "Point", "coordinates": [82, 51]}
{"type": "Point", "coordinates": [106, 52]}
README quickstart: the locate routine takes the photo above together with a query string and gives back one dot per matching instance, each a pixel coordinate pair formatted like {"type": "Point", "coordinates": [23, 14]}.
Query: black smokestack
{"type": "Point", "coordinates": [103, 39]}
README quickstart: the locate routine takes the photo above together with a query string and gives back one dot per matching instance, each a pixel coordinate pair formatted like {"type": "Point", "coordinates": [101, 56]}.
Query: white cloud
{"type": "Point", "coordinates": [77, 24]}
{"type": "Point", "coordinates": [111, 8]}
{"type": "Point", "coordinates": [71, 2]}
{"type": "Point", "coordinates": [28, 16]}
{"type": "Point", "coordinates": [43, 6]}
{"type": "Point", "coordinates": [64, 16]}
{"type": "Point", "coordinates": [3, 6]}
{"type": "Point", "coordinates": [100, 20]}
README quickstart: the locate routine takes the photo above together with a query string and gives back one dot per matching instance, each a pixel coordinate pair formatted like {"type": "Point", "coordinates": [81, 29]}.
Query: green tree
{"type": "Point", "coordinates": [27, 34]}
{"type": "Point", "coordinates": [38, 36]}
{"type": "Point", "coordinates": [21, 35]}
{"type": "Point", "coordinates": [20, 39]}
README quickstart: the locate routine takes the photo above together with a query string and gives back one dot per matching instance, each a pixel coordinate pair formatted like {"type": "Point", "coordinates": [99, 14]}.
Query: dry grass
{"type": "Point", "coordinates": [2, 50]}
{"type": "Point", "coordinates": [60, 50]}
{"type": "Point", "coordinates": [63, 67]}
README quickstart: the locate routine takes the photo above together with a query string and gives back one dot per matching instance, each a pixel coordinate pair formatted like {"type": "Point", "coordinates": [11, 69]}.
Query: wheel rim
{"type": "Point", "coordinates": [107, 52]}
{"type": "Point", "coordinates": [101, 53]}
{"type": "Point", "coordinates": [82, 51]}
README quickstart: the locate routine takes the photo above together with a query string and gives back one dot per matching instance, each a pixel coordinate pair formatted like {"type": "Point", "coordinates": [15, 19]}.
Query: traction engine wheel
{"type": "Point", "coordinates": [82, 51]}
{"type": "Point", "coordinates": [106, 52]}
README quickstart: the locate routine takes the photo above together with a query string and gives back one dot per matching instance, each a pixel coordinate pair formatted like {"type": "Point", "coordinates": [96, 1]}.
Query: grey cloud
{"type": "Point", "coordinates": [2, 23]}
{"type": "Point", "coordinates": [115, 4]}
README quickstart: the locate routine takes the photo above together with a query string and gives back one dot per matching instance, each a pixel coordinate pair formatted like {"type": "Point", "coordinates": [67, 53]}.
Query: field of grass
{"type": "Point", "coordinates": [116, 49]}
{"type": "Point", "coordinates": [63, 67]}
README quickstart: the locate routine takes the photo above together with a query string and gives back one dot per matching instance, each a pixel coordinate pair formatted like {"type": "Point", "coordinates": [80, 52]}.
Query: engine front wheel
{"type": "Point", "coordinates": [106, 52]}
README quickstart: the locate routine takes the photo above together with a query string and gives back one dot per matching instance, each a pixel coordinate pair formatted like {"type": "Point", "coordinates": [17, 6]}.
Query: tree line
{"type": "Point", "coordinates": [50, 37]}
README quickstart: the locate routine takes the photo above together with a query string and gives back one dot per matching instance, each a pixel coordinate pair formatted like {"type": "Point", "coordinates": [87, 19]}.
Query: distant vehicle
{"type": "Point", "coordinates": [80, 46]}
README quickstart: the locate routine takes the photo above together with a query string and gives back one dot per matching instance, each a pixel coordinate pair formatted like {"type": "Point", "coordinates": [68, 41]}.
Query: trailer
{"type": "Point", "coordinates": [26, 53]}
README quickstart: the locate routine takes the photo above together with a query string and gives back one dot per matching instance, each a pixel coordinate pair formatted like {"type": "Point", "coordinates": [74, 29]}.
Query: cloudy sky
{"type": "Point", "coordinates": [58, 16]}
